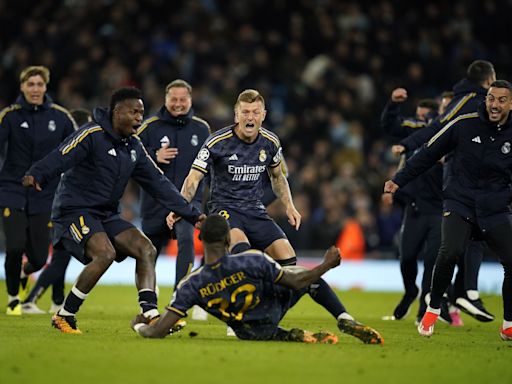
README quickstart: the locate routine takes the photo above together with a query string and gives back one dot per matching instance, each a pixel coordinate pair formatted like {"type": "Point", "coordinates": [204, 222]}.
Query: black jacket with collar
{"type": "Point", "coordinates": [479, 188]}
{"type": "Point", "coordinates": [98, 164]}
{"type": "Point", "coordinates": [467, 97]}
{"type": "Point", "coordinates": [30, 132]}
{"type": "Point", "coordinates": [187, 133]}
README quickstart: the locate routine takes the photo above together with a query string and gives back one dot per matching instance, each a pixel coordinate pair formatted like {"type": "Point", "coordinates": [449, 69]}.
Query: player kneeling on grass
{"type": "Point", "coordinates": [252, 293]}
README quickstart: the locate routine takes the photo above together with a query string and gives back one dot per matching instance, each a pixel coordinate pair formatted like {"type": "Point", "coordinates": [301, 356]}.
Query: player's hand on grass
{"type": "Point", "coordinates": [332, 257]}
{"type": "Point", "coordinates": [29, 181]}
{"type": "Point", "coordinates": [294, 217]}
{"type": "Point", "coordinates": [139, 319]}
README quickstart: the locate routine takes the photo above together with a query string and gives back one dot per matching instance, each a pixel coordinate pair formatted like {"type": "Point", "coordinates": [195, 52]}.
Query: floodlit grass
{"type": "Point", "coordinates": [110, 352]}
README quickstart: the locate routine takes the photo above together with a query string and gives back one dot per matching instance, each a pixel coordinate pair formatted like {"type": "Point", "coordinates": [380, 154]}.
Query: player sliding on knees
{"type": "Point", "coordinates": [252, 293]}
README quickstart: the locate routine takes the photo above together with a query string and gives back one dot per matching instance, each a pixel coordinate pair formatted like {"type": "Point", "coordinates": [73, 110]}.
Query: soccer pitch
{"type": "Point", "coordinates": [110, 352]}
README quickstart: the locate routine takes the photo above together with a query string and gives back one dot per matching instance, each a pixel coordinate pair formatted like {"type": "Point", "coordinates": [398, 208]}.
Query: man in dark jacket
{"type": "Point", "coordinates": [420, 232]}
{"type": "Point", "coordinates": [173, 137]}
{"type": "Point", "coordinates": [98, 161]}
{"type": "Point", "coordinates": [476, 196]}
{"type": "Point", "coordinates": [468, 94]}
{"type": "Point", "coordinates": [30, 128]}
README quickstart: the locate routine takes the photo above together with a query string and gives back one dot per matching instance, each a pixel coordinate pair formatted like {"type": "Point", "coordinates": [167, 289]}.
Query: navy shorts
{"type": "Point", "coordinates": [257, 225]}
{"type": "Point", "coordinates": [71, 232]}
{"type": "Point", "coordinates": [275, 309]}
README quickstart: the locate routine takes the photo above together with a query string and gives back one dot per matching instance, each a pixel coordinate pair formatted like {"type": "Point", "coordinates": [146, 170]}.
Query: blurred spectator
{"type": "Point", "coordinates": [325, 67]}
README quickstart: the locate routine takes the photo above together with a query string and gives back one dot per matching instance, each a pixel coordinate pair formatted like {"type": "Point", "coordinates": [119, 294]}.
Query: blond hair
{"type": "Point", "coordinates": [34, 71]}
{"type": "Point", "coordinates": [250, 96]}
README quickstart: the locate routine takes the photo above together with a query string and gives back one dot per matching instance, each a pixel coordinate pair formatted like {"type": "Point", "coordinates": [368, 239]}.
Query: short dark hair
{"type": "Point", "coordinates": [502, 84]}
{"type": "Point", "coordinates": [81, 116]}
{"type": "Point", "coordinates": [479, 71]}
{"type": "Point", "coordinates": [122, 94]}
{"type": "Point", "coordinates": [214, 229]}
{"type": "Point", "coordinates": [429, 103]}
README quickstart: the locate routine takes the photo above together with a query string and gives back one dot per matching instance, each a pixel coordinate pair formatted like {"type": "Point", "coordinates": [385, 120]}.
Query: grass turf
{"type": "Point", "coordinates": [110, 352]}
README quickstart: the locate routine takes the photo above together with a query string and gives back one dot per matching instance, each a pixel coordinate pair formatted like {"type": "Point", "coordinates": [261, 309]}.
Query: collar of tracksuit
{"type": "Point", "coordinates": [179, 121]}
{"type": "Point", "coordinates": [102, 116]}
{"type": "Point", "coordinates": [31, 107]}
{"type": "Point", "coordinates": [465, 86]}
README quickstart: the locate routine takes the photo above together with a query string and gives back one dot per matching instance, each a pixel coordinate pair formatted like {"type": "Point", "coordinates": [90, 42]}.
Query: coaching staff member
{"type": "Point", "coordinates": [30, 128]}
{"type": "Point", "coordinates": [476, 196]}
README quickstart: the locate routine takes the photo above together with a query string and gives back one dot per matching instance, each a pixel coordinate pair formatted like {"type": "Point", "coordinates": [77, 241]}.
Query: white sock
{"type": "Point", "coordinates": [507, 324]}
{"type": "Point", "coordinates": [63, 312]}
{"type": "Point", "coordinates": [345, 316]}
{"type": "Point", "coordinates": [151, 313]}
{"type": "Point", "coordinates": [12, 298]}
{"type": "Point", "coordinates": [472, 294]}
{"type": "Point", "coordinates": [79, 293]}
{"type": "Point", "coordinates": [434, 310]}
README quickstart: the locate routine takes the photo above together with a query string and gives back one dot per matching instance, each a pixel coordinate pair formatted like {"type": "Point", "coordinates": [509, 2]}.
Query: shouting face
{"type": "Point", "coordinates": [249, 117]}
{"type": "Point", "coordinates": [127, 117]}
{"type": "Point", "coordinates": [498, 103]}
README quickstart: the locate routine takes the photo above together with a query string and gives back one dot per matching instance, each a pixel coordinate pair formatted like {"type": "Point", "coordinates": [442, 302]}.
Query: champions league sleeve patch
{"type": "Point", "coordinates": [278, 157]}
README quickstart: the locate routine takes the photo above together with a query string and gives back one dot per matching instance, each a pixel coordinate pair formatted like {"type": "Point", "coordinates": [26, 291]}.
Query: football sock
{"type": "Point", "coordinates": [240, 247]}
{"type": "Point", "coordinates": [507, 324]}
{"type": "Point", "coordinates": [472, 295]}
{"type": "Point", "coordinates": [13, 301]}
{"type": "Point", "coordinates": [323, 294]}
{"type": "Point", "coordinates": [73, 302]}
{"type": "Point", "coordinates": [345, 316]}
{"type": "Point", "coordinates": [286, 262]}
{"type": "Point", "coordinates": [147, 300]}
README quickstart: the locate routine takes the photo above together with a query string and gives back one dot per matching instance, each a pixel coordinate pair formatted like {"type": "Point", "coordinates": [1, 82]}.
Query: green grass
{"type": "Point", "coordinates": [110, 352]}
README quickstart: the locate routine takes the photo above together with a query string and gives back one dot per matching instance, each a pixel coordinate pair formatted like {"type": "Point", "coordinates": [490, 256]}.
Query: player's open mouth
{"type": "Point", "coordinates": [249, 125]}
{"type": "Point", "coordinates": [494, 113]}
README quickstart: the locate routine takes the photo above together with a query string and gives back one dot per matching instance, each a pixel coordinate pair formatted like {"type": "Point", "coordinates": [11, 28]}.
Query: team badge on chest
{"type": "Point", "coordinates": [263, 155]}
{"type": "Point", "coordinates": [52, 126]}
{"type": "Point", "coordinates": [505, 148]}
{"type": "Point", "coordinates": [133, 155]}
{"type": "Point", "coordinates": [194, 140]}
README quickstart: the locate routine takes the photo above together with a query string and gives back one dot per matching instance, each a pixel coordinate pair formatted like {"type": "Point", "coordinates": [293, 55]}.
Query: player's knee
{"type": "Point", "coordinates": [148, 252]}
{"type": "Point", "coordinates": [103, 255]}
{"type": "Point", "coordinates": [450, 252]}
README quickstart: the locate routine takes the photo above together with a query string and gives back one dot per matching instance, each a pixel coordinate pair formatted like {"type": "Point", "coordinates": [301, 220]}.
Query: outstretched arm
{"type": "Point", "coordinates": [300, 277]}
{"type": "Point", "coordinates": [282, 190]}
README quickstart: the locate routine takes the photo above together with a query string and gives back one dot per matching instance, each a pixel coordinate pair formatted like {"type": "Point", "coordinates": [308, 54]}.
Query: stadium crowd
{"type": "Point", "coordinates": [326, 69]}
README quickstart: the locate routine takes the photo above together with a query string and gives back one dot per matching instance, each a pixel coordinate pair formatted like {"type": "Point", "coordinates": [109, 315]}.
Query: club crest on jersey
{"type": "Point", "coordinates": [505, 148]}
{"type": "Point", "coordinates": [203, 154]}
{"type": "Point", "coordinates": [86, 230]}
{"type": "Point", "coordinates": [263, 155]}
{"type": "Point", "coordinates": [133, 155]}
{"type": "Point", "coordinates": [194, 140]}
{"type": "Point", "coordinates": [52, 126]}
{"type": "Point", "coordinates": [164, 141]}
